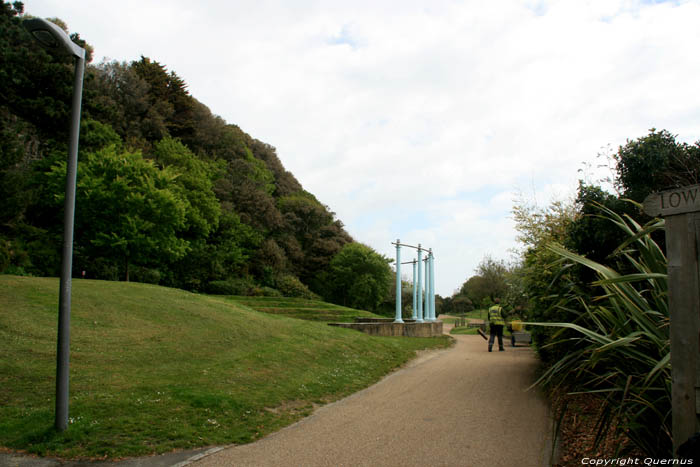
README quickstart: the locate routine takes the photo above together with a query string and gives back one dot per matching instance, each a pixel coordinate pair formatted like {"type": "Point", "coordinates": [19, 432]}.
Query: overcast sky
{"type": "Point", "coordinates": [421, 120]}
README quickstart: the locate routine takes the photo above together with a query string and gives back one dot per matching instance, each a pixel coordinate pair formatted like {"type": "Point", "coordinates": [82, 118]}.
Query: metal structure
{"type": "Point", "coordinates": [423, 294]}
{"type": "Point", "coordinates": [398, 283]}
{"type": "Point", "coordinates": [56, 39]}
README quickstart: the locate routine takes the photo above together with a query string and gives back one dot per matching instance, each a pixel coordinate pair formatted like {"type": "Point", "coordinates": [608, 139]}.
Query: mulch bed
{"type": "Point", "coordinates": [578, 430]}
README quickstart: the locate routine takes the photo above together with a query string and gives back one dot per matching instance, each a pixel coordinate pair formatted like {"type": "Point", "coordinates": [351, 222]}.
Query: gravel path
{"type": "Point", "coordinates": [457, 407]}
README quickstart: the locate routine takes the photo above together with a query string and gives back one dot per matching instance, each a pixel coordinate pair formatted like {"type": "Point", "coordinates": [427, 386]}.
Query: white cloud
{"type": "Point", "coordinates": [417, 119]}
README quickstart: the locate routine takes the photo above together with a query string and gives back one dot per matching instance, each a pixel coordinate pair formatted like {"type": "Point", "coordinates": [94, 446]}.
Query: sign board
{"type": "Point", "coordinates": [677, 201]}
{"type": "Point", "coordinates": [681, 209]}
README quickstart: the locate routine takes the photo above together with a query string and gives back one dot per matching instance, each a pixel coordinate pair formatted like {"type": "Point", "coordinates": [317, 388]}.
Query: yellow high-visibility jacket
{"type": "Point", "coordinates": [496, 315]}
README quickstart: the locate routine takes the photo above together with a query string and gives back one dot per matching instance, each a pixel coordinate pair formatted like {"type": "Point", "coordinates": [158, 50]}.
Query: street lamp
{"type": "Point", "coordinates": [54, 38]}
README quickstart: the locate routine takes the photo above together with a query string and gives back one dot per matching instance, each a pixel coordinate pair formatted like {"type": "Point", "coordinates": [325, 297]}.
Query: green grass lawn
{"type": "Point", "coordinates": [312, 310]}
{"type": "Point", "coordinates": [156, 369]}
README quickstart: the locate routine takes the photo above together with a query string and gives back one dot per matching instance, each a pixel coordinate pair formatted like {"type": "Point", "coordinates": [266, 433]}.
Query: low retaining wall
{"type": "Point", "coordinates": [387, 327]}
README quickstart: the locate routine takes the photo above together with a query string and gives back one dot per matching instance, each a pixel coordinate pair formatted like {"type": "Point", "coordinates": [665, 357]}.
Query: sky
{"type": "Point", "coordinates": [423, 120]}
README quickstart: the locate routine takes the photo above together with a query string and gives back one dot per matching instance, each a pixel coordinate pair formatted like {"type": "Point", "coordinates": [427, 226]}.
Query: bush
{"type": "Point", "coordinates": [359, 278]}
{"type": "Point", "coordinates": [103, 269]}
{"type": "Point", "coordinates": [622, 352]}
{"type": "Point", "coordinates": [290, 286]}
{"type": "Point", "coordinates": [145, 275]}
{"type": "Point", "coordinates": [4, 254]}
{"type": "Point", "coordinates": [16, 271]}
{"type": "Point", "coordinates": [14, 258]}
{"type": "Point", "coordinates": [230, 287]}
{"type": "Point", "coordinates": [265, 292]}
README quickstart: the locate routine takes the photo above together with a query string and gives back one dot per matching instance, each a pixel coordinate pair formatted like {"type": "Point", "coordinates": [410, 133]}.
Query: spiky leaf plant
{"type": "Point", "coordinates": [623, 351]}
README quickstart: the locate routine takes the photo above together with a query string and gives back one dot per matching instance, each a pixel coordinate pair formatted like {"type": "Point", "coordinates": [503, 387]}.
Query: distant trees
{"type": "Point", "coordinates": [492, 279]}
{"type": "Point", "coordinates": [488, 283]}
{"type": "Point", "coordinates": [458, 304]}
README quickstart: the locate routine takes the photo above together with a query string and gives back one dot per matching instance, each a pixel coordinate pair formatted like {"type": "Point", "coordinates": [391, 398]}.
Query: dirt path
{"type": "Point", "coordinates": [457, 407]}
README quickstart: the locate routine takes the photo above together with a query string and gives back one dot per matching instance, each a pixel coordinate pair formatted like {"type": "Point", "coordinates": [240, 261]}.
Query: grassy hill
{"type": "Point", "coordinates": [312, 310]}
{"type": "Point", "coordinates": [156, 369]}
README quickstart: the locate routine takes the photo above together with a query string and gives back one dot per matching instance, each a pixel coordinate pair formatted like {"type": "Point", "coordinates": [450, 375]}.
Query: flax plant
{"type": "Point", "coordinates": [622, 351]}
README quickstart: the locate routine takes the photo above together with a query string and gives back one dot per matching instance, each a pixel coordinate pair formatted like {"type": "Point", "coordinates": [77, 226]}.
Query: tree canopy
{"type": "Point", "coordinates": [359, 277]}
{"type": "Point", "coordinates": [167, 191]}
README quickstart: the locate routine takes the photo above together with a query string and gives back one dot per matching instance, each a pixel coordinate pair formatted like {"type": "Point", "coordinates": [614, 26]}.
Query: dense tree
{"type": "Point", "coordinates": [36, 85]}
{"type": "Point", "coordinates": [215, 139]}
{"type": "Point", "coordinates": [128, 210]}
{"type": "Point", "coordinates": [304, 214]}
{"type": "Point", "coordinates": [317, 258]}
{"type": "Point", "coordinates": [591, 235]}
{"type": "Point", "coordinates": [488, 283]}
{"type": "Point", "coordinates": [194, 182]}
{"type": "Point", "coordinates": [225, 255]}
{"type": "Point", "coordinates": [651, 163]}
{"type": "Point", "coordinates": [285, 182]}
{"type": "Point", "coordinates": [388, 305]}
{"type": "Point", "coordinates": [118, 96]}
{"type": "Point", "coordinates": [655, 162]}
{"type": "Point", "coordinates": [461, 305]}
{"type": "Point", "coordinates": [175, 178]}
{"type": "Point", "coordinates": [358, 277]}
{"type": "Point", "coordinates": [34, 107]}
{"type": "Point", "coordinates": [169, 100]}
{"type": "Point", "coordinates": [540, 270]}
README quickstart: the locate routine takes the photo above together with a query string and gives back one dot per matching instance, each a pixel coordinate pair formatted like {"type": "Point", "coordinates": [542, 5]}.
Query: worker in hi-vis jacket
{"type": "Point", "coordinates": [496, 324]}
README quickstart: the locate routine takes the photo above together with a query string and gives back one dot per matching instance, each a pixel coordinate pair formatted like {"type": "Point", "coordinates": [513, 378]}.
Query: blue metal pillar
{"type": "Point", "coordinates": [398, 282]}
{"type": "Point", "coordinates": [427, 289]}
{"type": "Point", "coordinates": [414, 315]}
{"type": "Point", "coordinates": [419, 318]}
{"type": "Point", "coordinates": [432, 286]}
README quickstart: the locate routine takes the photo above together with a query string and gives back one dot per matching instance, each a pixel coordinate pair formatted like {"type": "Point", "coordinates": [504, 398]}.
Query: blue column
{"type": "Point", "coordinates": [427, 290]}
{"type": "Point", "coordinates": [398, 282]}
{"type": "Point", "coordinates": [419, 318]}
{"type": "Point", "coordinates": [432, 286]}
{"type": "Point", "coordinates": [414, 315]}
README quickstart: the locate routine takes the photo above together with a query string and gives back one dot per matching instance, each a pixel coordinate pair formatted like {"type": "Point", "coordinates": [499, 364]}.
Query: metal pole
{"type": "Point", "coordinates": [414, 315]}
{"type": "Point", "coordinates": [419, 318]}
{"type": "Point", "coordinates": [64, 305]}
{"type": "Point", "coordinates": [398, 319]}
{"type": "Point", "coordinates": [427, 290]}
{"type": "Point", "coordinates": [432, 286]}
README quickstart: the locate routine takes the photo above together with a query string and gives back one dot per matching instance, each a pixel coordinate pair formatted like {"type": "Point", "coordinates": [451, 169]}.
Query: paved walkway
{"type": "Point", "coordinates": [457, 407]}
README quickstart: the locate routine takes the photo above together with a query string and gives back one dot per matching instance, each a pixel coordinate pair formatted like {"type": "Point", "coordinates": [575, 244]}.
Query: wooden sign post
{"type": "Point", "coordinates": [681, 209]}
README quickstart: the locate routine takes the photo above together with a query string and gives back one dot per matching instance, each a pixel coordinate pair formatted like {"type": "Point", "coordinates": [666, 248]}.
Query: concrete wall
{"type": "Point", "coordinates": [386, 327]}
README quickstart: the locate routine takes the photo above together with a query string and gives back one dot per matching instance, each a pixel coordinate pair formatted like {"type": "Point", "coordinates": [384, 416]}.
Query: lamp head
{"type": "Point", "coordinates": [53, 37]}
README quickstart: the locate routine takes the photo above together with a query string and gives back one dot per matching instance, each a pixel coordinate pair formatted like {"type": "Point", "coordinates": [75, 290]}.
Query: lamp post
{"type": "Point", "coordinates": [55, 38]}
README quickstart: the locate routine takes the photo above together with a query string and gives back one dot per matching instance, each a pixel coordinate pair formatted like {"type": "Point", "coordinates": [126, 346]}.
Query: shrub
{"type": "Point", "coordinates": [145, 275]}
{"type": "Point", "coordinates": [290, 286]}
{"type": "Point", "coordinates": [264, 292]}
{"type": "Point", "coordinates": [4, 254]}
{"type": "Point", "coordinates": [622, 346]}
{"type": "Point", "coordinates": [104, 269]}
{"type": "Point", "coordinates": [237, 286]}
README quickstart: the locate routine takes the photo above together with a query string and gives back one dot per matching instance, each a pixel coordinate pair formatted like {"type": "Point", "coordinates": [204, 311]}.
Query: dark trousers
{"type": "Point", "coordinates": [496, 330]}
